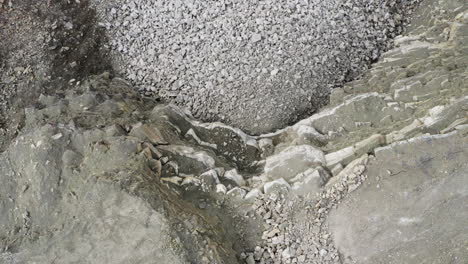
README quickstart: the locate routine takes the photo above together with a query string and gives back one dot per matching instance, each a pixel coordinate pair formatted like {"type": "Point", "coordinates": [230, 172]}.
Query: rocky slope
{"type": "Point", "coordinates": [100, 175]}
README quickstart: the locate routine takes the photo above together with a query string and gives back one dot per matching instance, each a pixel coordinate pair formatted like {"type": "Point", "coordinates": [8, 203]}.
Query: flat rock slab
{"type": "Point", "coordinates": [412, 207]}
{"type": "Point", "coordinates": [292, 161]}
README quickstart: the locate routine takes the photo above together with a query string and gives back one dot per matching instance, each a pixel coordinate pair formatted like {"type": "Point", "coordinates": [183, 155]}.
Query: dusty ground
{"type": "Point", "coordinates": [46, 46]}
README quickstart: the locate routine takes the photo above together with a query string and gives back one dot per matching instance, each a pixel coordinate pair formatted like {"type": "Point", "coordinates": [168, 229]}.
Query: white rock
{"type": "Point", "coordinates": [220, 188]}
{"type": "Point", "coordinates": [286, 253]}
{"type": "Point", "coordinates": [256, 38]}
{"type": "Point", "coordinates": [254, 193]}
{"type": "Point", "coordinates": [235, 177]}
{"type": "Point", "coordinates": [237, 192]}
{"type": "Point", "coordinates": [266, 145]}
{"type": "Point", "coordinates": [210, 176]}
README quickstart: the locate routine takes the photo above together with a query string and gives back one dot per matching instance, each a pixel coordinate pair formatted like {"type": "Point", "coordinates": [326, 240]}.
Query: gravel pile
{"type": "Point", "coordinates": [303, 237]}
{"type": "Point", "coordinates": [257, 65]}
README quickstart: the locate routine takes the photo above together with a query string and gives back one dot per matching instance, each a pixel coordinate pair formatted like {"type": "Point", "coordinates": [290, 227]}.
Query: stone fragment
{"type": "Point", "coordinates": [266, 146]}
{"type": "Point", "coordinates": [146, 132]}
{"type": "Point", "coordinates": [220, 188]}
{"type": "Point", "coordinates": [190, 160]}
{"type": "Point", "coordinates": [115, 131]}
{"type": "Point", "coordinates": [286, 253]}
{"type": "Point", "coordinates": [156, 166]}
{"type": "Point", "coordinates": [209, 178]}
{"type": "Point", "coordinates": [442, 116]}
{"type": "Point", "coordinates": [277, 186]}
{"type": "Point", "coordinates": [190, 180]}
{"type": "Point", "coordinates": [252, 194]}
{"type": "Point", "coordinates": [410, 130]}
{"type": "Point", "coordinates": [71, 158]}
{"type": "Point", "coordinates": [250, 260]}
{"type": "Point", "coordinates": [292, 161]}
{"type": "Point", "coordinates": [307, 135]}
{"type": "Point", "coordinates": [237, 192]}
{"type": "Point", "coordinates": [175, 180]}
{"type": "Point", "coordinates": [349, 169]}
{"type": "Point", "coordinates": [234, 176]}
{"type": "Point", "coordinates": [256, 37]}
{"type": "Point", "coordinates": [85, 101]}
{"type": "Point", "coordinates": [311, 182]}
{"type": "Point", "coordinates": [346, 155]}
{"type": "Point", "coordinates": [57, 136]}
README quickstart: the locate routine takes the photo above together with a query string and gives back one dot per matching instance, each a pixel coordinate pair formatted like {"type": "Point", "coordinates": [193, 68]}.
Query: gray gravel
{"type": "Point", "coordinates": [257, 65]}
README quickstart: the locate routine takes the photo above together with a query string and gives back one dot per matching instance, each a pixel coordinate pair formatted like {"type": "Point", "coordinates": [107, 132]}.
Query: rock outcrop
{"type": "Point", "coordinates": [100, 175]}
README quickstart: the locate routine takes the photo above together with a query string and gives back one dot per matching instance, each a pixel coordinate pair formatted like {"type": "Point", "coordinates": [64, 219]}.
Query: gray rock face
{"type": "Point", "coordinates": [410, 209]}
{"type": "Point", "coordinates": [73, 192]}
{"type": "Point", "coordinates": [90, 219]}
{"type": "Point", "coordinates": [256, 66]}
{"type": "Point", "coordinates": [101, 175]}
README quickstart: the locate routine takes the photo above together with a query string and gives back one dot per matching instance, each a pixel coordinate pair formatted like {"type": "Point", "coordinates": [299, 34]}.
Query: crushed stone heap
{"type": "Point", "coordinates": [256, 65]}
{"type": "Point", "coordinates": [103, 175]}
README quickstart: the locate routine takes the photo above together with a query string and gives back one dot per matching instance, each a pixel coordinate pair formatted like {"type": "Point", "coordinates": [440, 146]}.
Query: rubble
{"type": "Point", "coordinates": [365, 180]}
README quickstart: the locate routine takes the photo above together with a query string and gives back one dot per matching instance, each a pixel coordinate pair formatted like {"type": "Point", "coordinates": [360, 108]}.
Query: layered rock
{"type": "Point", "coordinates": [101, 175]}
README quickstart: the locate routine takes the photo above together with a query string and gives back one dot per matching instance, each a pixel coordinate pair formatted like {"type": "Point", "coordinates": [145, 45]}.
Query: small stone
{"type": "Point", "coordinates": [237, 192]}
{"type": "Point", "coordinates": [266, 145]}
{"type": "Point", "coordinates": [277, 186]}
{"type": "Point", "coordinates": [256, 38]}
{"type": "Point", "coordinates": [210, 178]}
{"type": "Point", "coordinates": [250, 260]}
{"type": "Point", "coordinates": [323, 252]}
{"type": "Point", "coordinates": [115, 130]}
{"type": "Point", "coordinates": [286, 253]}
{"type": "Point", "coordinates": [220, 188]}
{"type": "Point", "coordinates": [252, 194]}
{"type": "Point", "coordinates": [235, 177]}
{"type": "Point", "coordinates": [68, 26]}
{"type": "Point", "coordinates": [202, 205]}
{"type": "Point", "coordinates": [57, 136]}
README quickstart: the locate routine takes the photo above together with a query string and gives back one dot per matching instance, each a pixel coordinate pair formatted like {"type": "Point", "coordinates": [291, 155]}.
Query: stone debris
{"type": "Point", "coordinates": [332, 188]}
{"type": "Point", "coordinates": [285, 229]}
{"type": "Point", "coordinates": [231, 61]}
